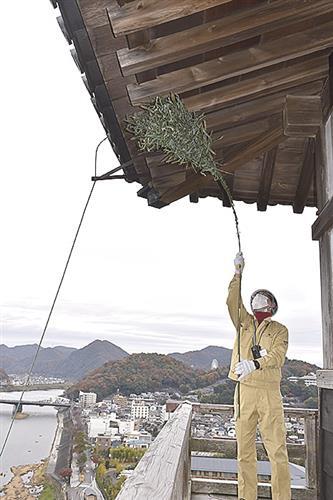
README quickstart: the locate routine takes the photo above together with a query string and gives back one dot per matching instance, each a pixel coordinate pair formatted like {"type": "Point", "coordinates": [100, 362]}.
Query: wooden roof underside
{"type": "Point", "coordinates": [259, 71]}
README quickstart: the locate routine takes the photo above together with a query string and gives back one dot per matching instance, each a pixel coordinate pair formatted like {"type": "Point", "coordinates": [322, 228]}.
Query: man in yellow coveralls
{"type": "Point", "coordinates": [263, 347]}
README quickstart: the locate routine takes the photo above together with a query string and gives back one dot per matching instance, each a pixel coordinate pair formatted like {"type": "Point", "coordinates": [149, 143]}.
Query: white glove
{"type": "Point", "coordinates": [239, 263]}
{"type": "Point", "coordinates": [244, 368]}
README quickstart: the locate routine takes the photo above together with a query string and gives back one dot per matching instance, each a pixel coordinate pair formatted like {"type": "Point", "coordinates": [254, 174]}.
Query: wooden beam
{"type": "Point", "coordinates": [302, 115]}
{"type": "Point", "coordinates": [265, 83]}
{"type": "Point", "coordinates": [255, 148]}
{"type": "Point", "coordinates": [324, 222]}
{"type": "Point", "coordinates": [266, 179]}
{"type": "Point", "coordinates": [234, 64]}
{"type": "Point", "coordinates": [219, 33]}
{"type": "Point", "coordinates": [214, 487]}
{"type": "Point", "coordinates": [191, 185]}
{"type": "Point", "coordinates": [305, 178]}
{"type": "Point", "coordinates": [144, 14]}
{"type": "Point", "coordinates": [229, 446]}
{"type": "Point", "coordinates": [244, 132]}
{"type": "Point", "coordinates": [265, 142]}
{"type": "Point", "coordinates": [255, 109]}
{"type": "Point", "coordinates": [310, 438]}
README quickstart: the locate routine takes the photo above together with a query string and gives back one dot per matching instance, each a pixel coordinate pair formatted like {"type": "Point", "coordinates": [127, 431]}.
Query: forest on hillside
{"type": "Point", "coordinates": [139, 373]}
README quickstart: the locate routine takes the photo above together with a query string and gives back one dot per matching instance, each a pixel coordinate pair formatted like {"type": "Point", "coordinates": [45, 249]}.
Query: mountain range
{"type": "Point", "coordinates": [75, 364]}
{"type": "Point", "coordinates": [64, 362]}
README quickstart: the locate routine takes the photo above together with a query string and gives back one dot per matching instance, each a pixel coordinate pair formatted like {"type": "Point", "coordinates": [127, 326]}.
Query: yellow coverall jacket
{"type": "Point", "coordinates": [260, 400]}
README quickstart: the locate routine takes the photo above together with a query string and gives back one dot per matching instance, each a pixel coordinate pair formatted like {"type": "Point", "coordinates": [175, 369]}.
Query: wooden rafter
{"type": "Point", "coordinates": [305, 177]}
{"type": "Point", "coordinates": [263, 84]}
{"type": "Point", "coordinates": [255, 109]}
{"type": "Point", "coordinates": [255, 148]}
{"type": "Point", "coordinates": [219, 33]}
{"type": "Point", "coordinates": [232, 65]}
{"type": "Point", "coordinates": [266, 178]}
{"type": "Point", "coordinates": [143, 14]}
{"type": "Point", "coordinates": [245, 132]}
{"type": "Point", "coordinates": [265, 142]}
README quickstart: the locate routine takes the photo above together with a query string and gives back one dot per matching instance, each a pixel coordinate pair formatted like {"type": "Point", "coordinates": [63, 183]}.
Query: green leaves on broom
{"type": "Point", "coordinates": [166, 125]}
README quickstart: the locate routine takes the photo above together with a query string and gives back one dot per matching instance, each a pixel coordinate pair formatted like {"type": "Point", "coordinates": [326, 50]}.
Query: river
{"type": "Point", "coordinates": [31, 438]}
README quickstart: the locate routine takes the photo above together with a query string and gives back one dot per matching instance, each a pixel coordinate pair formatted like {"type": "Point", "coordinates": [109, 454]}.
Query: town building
{"type": "Point", "coordinates": [87, 399]}
{"type": "Point", "coordinates": [308, 380]}
{"type": "Point", "coordinates": [139, 410]}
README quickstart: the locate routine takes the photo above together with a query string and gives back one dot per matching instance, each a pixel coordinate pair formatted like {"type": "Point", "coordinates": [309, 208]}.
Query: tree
{"type": "Point", "coordinates": [101, 470]}
{"type": "Point", "coordinates": [81, 461]}
{"type": "Point", "coordinates": [65, 473]}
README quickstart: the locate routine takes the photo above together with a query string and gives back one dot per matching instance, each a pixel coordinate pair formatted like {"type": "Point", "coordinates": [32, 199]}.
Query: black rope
{"type": "Point", "coordinates": [52, 307]}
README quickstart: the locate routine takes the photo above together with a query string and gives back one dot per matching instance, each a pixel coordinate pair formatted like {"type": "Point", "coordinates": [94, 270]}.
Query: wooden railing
{"type": "Point", "coordinates": [308, 450]}
{"type": "Point", "coordinates": [164, 471]}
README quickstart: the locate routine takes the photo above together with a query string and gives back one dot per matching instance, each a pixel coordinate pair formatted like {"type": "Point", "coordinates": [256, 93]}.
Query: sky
{"type": "Point", "coordinates": [146, 279]}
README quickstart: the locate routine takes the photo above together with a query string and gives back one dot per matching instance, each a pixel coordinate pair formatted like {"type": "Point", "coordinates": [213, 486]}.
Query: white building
{"type": "Point", "coordinates": [214, 365]}
{"type": "Point", "coordinates": [102, 426]}
{"type": "Point", "coordinates": [125, 426]}
{"type": "Point", "coordinates": [87, 399]}
{"type": "Point", "coordinates": [310, 379]}
{"type": "Point", "coordinates": [138, 439]}
{"type": "Point", "coordinates": [139, 410]}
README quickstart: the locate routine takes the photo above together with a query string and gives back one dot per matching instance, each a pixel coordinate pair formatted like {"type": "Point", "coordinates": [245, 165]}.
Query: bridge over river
{"type": "Point", "coordinates": [19, 404]}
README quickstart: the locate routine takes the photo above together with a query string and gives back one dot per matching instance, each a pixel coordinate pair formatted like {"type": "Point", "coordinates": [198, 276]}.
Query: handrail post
{"type": "Point", "coordinates": [310, 436]}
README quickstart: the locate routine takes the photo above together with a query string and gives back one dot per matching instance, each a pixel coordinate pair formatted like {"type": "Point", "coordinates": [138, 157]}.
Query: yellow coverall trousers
{"type": "Point", "coordinates": [261, 406]}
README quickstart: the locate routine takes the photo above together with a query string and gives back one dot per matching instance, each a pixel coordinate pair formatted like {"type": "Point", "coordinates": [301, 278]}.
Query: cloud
{"type": "Point", "coordinates": [135, 330]}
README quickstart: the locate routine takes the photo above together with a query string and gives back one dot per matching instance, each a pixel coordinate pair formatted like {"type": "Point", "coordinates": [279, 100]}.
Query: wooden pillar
{"type": "Point", "coordinates": [322, 230]}
{"type": "Point", "coordinates": [311, 470]}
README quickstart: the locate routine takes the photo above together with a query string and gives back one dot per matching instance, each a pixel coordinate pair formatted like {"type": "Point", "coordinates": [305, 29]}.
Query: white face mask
{"type": "Point", "coordinates": [261, 303]}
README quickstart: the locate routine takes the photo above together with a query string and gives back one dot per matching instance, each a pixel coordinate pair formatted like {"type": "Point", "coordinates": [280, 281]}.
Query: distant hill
{"type": "Point", "coordinates": [59, 361]}
{"type": "Point", "coordinates": [75, 364]}
{"type": "Point", "coordinates": [138, 373]}
{"type": "Point", "coordinates": [298, 368]}
{"type": "Point", "coordinates": [204, 357]}
{"type": "Point", "coordinates": [18, 359]}
{"type": "Point", "coordinates": [90, 357]}
{"type": "Point", "coordinates": [144, 373]}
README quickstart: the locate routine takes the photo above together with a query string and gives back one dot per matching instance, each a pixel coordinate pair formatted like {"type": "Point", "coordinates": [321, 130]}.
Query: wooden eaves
{"type": "Point", "coordinates": [258, 70]}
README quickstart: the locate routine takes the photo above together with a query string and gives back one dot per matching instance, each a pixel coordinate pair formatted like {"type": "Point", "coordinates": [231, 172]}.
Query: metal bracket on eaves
{"type": "Point", "coordinates": [109, 176]}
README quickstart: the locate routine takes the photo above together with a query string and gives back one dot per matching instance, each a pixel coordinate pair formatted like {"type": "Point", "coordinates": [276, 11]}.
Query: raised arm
{"type": "Point", "coordinates": [232, 302]}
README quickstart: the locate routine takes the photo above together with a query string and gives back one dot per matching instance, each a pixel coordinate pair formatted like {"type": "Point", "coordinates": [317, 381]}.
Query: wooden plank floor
{"type": "Point", "coordinates": [202, 496]}
{"type": "Point", "coordinates": [212, 496]}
